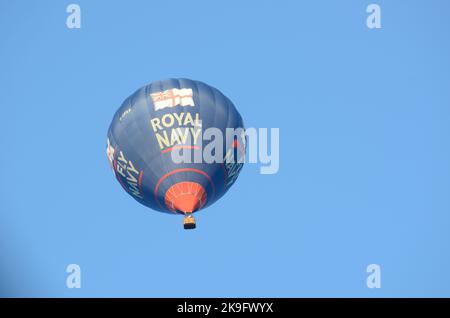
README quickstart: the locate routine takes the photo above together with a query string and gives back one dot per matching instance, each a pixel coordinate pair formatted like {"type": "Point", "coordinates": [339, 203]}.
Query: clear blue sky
{"type": "Point", "coordinates": [364, 118]}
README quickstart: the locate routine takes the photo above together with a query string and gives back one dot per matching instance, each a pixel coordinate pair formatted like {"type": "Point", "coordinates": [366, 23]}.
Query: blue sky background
{"type": "Point", "coordinates": [364, 174]}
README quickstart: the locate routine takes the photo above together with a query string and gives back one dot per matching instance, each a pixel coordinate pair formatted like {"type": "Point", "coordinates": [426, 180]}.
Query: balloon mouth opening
{"type": "Point", "coordinates": [185, 197]}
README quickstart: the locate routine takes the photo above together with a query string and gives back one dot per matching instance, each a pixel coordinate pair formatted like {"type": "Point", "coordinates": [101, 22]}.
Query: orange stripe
{"type": "Point", "coordinates": [140, 182]}
{"type": "Point", "coordinates": [155, 193]}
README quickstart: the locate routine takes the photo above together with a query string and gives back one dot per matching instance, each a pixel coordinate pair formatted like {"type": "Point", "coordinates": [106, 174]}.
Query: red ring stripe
{"type": "Point", "coordinates": [180, 147]}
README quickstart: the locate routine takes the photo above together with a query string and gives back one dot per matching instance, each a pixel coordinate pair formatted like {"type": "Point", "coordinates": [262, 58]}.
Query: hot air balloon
{"type": "Point", "coordinates": [171, 116]}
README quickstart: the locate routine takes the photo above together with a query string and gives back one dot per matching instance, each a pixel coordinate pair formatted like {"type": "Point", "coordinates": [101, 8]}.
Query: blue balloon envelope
{"type": "Point", "coordinates": [168, 120]}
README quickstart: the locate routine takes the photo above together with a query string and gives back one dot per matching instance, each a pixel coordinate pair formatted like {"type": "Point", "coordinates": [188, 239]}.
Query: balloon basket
{"type": "Point", "coordinates": [189, 223]}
